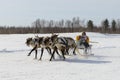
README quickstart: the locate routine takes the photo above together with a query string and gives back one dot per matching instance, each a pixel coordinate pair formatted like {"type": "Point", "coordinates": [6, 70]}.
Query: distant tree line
{"type": "Point", "coordinates": [74, 25]}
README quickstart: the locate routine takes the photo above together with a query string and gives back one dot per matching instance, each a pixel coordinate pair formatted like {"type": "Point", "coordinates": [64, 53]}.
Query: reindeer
{"type": "Point", "coordinates": [48, 43]}
{"type": "Point", "coordinates": [37, 43]}
{"type": "Point", "coordinates": [69, 42]}
{"type": "Point", "coordinates": [56, 45]}
{"type": "Point", "coordinates": [63, 44]}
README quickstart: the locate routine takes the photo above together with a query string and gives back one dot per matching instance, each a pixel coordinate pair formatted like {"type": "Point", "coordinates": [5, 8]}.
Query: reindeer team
{"type": "Point", "coordinates": [52, 44]}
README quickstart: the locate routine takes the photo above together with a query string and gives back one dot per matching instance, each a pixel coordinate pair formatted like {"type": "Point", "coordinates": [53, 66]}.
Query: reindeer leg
{"type": "Point", "coordinates": [32, 50]}
{"type": "Point", "coordinates": [53, 54]}
{"type": "Point", "coordinates": [49, 50]}
{"type": "Point", "coordinates": [58, 53]}
{"type": "Point", "coordinates": [63, 54]}
{"type": "Point", "coordinates": [35, 54]}
{"type": "Point", "coordinates": [74, 51]}
{"type": "Point", "coordinates": [42, 49]}
{"type": "Point", "coordinates": [67, 51]}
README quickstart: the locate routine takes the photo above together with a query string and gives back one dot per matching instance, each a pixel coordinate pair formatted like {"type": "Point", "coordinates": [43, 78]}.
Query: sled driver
{"type": "Point", "coordinates": [83, 40]}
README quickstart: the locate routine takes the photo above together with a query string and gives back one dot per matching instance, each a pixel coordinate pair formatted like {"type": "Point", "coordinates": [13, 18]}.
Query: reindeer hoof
{"type": "Point", "coordinates": [28, 55]}
{"type": "Point", "coordinates": [63, 59]}
{"type": "Point", "coordinates": [74, 53]}
{"type": "Point", "coordinates": [50, 60]}
{"type": "Point", "coordinates": [39, 60]}
{"type": "Point", "coordinates": [35, 58]}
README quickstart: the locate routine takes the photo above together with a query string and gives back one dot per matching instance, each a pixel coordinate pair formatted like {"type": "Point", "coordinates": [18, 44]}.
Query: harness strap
{"type": "Point", "coordinates": [64, 41]}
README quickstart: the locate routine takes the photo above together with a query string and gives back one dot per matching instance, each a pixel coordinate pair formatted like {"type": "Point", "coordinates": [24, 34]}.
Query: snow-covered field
{"type": "Point", "coordinates": [16, 65]}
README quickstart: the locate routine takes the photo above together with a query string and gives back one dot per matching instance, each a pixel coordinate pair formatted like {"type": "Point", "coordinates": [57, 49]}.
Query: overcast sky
{"type": "Point", "coordinates": [24, 12]}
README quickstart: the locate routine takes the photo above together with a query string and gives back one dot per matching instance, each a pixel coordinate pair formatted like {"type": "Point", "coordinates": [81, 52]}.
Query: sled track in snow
{"type": "Point", "coordinates": [13, 51]}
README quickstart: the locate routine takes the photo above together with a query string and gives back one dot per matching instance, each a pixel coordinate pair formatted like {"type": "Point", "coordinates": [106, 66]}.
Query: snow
{"type": "Point", "coordinates": [16, 65]}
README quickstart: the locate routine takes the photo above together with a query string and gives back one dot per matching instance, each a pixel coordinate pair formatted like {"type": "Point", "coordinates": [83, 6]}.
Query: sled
{"type": "Point", "coordinates": [83, 50]}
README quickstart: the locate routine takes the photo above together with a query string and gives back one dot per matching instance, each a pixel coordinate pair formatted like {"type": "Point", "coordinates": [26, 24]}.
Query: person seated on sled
{"type": "Point", "coordinates": [83, 40]}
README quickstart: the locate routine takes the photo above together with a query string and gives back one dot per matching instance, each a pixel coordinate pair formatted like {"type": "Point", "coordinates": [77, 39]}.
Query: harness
{"type": "Point", "coordinates": [61, 40]}
{"type": "Point", "coordinates": [64, 41]}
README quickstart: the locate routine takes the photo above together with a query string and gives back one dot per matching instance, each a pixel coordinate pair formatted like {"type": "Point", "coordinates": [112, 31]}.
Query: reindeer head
{"type": "Point", "coordinates": [28, 40]}
{"type": "Point", "coordinates": [54, 37]}
{"type": "Point", "coordinates": [47, 41]}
